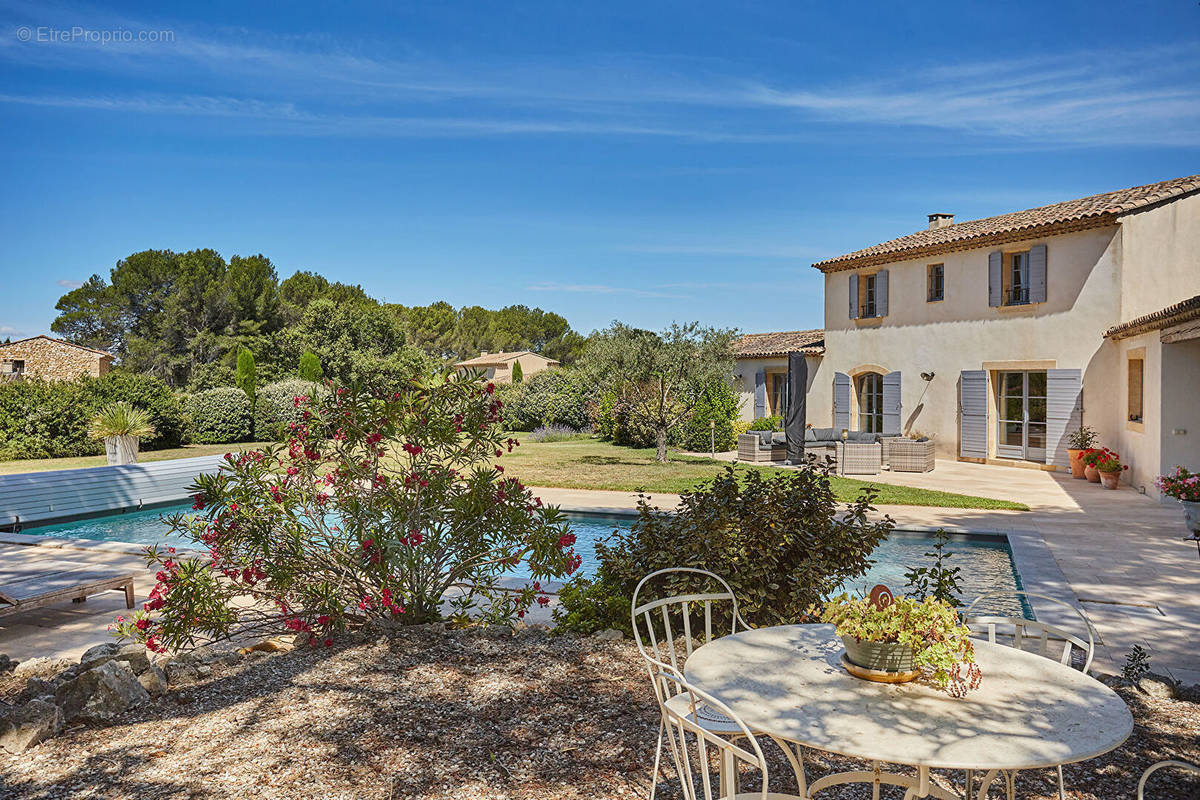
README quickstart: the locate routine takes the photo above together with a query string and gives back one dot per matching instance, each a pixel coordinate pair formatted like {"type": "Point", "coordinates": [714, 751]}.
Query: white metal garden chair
{"type": "Point", "coordinates": [660, 626]}
{"type": "Point", "coordinates": [1021, 633]}
{"type": "Point", "coordinates": [697, 750]}
{"type": "Point", "coordinates": [1160, 765]}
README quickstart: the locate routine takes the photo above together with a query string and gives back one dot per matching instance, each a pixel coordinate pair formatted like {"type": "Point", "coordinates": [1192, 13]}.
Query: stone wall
{"type": "Point", "coordinates": [53, 359]}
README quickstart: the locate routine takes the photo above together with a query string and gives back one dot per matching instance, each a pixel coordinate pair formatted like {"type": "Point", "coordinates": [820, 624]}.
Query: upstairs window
{"type": "Point", "coordinates": [936, 283]}
{"type": "Point", "coordinates": [18, 366]}
{"type": "Point", "coordinates": [867, 306]}
{"type": "Point", "coordinates": [1017, 278]}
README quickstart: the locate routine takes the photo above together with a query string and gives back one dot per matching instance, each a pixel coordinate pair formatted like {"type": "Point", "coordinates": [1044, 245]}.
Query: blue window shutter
{"type": "Point", "coordinates": [881, 293]}
{"type": "Point", "coordinates": [995, 278]}
{"type": "Point", "coordinates": [891, 404]}
{"type": "Point", "coordinates": [972, 414]}
{"type": "Point", "coordinates": [1037, 273]}
{"type": "Point", "coordinates": [841, 400]}
{"type": "Point", "coordinates": [1064, 412]}
{"type": "Point", "coordinates": [854, 296]}
{"type": "Point", "coordinates": [760, 394]}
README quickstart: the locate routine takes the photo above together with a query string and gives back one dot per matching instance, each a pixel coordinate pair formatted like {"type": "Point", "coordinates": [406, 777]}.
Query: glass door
{"type": "Point", "coordinates": [1022, 416]}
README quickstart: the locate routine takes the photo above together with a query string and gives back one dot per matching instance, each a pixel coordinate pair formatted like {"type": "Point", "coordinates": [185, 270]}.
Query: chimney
{"type": "Point", "coordinates": [483, 352]}
{"type": "Point", "coordinates": [940, 221]}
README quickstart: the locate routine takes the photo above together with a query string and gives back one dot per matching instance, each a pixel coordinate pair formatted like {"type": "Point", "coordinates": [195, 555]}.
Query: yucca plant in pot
{"type": "Point", "coordinates": [899, 640]}
{"type": "Point", "coordinates": [120, 426]}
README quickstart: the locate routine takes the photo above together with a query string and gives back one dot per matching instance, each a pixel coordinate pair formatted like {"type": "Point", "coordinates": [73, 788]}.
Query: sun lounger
{"type": "Point", "coordinates": [30, 587]}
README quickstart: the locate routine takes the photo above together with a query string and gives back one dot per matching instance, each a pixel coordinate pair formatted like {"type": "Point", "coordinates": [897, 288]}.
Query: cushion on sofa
{"type": "Point", "coordinates": [823, 435]}
{"type": "Point", "coordinates": [764, 438]}
{"type": "Point", "coordinates": [862, 437]}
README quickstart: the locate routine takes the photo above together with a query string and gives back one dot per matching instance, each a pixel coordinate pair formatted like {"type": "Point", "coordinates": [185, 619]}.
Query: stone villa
{"type": "Point", "coordinates": [53, 359]}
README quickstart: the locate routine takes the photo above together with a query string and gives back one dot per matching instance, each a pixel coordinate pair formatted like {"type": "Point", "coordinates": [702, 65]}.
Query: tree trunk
{"type": "Point", "coordinates": [661, 438]}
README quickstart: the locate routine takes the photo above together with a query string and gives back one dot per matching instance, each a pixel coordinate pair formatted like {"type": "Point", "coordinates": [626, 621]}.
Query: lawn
{"type": "Point", "coordinates": [187, 451]}
{"type": "Point", "coordinates": [593, 464]}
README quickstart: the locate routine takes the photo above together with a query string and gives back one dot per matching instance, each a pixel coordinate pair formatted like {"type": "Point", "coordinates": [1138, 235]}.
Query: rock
{"type": "Point", "coordinates": [203, 670]}
{"type": "Point", "coordinates": [36, 688]}
{"type": "Point", "coordinates": [98, 654]}
{"type": "Point", "coordinates": [1190, 693]}
{"type": "Point", "coordinates": [609, 635]}
{"type": "Point", "coordinates": [1159, 686]}
{"type": "Point", "coordinates": [137, 655]}
{"type": "Point", "coordinates": [21, 727]}
{"type": "Point", "coordinates": [154, 681]}
{"type": "Point", "coordinates": [6, 664]}
{"type": "Point", "coordinates": [180, 673]}
{"type": "Point", "coordinates": [100, 694]}
{"type": "Point", "coordinates": [496, 632]}
{"type": "Point", "coordinates": [41, 667]}
{"type": "Point", "coordinates": [272, 645]}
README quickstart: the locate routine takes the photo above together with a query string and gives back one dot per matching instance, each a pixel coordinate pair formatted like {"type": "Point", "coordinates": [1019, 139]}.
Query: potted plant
{"type": "Point", "coordinates": [1089, 457]}
{"type": "Point", "coordinates": [121, 425]}
{"type": "Point", "coordinates": [1078, 442]}
{"type": "Point", "coordinates": [1184, 486]}
{"type": "Point", "coordinates": [900, 639]}
{"type": "Point", "coordinates": [1109, 465]}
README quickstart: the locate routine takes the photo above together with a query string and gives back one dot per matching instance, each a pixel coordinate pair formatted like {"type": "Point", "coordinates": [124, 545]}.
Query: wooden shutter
{"type": "Point", "coordinates": [760, 394]}
{"type": "Point", "coordinates": [995, 278]}
{"type": "Point", "coordinates": [854, 296]}
{"type": "Point", "coordinates": [881, 293]}
{"type": "Point", "coordinates": [1037, 273]}
{"type": "Point", "coordinates": [972, 413]}
{"type": "Point", "coordinates": [891, 404]}
{"type": "Point", "coordinates": [1064, 412]}
{"type": "Point", "coordinates": [841, 400]}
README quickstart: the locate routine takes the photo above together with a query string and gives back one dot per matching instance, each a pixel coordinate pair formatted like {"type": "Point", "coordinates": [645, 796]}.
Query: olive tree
{"type": "Point", "coordinates": [660, 376]}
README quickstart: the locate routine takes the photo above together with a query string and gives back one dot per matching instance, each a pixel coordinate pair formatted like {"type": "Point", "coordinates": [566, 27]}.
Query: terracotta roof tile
{"type": "Point", "coordinates": [59, 341]}
{"type": "Point", "coordinates": [764, 345]}
{"type": "Point", "coordinates": [1086, 212]}
{"type": "Point", "coordinates": [1182, 311]}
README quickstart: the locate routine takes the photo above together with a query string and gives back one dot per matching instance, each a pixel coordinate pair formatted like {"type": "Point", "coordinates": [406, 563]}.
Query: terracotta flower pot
{"type": "Point", "coordinates": [1109, 480]}
{"type": "Point", "coordinates": [1076, 463]}
{"type": "Point", "coordinates": [1091, 473]}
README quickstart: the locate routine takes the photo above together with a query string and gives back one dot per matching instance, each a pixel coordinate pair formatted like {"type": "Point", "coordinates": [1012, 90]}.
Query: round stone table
{"type": "Point", "coordinates": [1029, 711]}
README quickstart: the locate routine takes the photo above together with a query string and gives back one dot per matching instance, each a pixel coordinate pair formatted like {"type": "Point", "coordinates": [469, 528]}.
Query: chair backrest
{"type": "Point", "coordinates": [674, 614]}
{"type": "Point", "coordinates": [696, 751]}
{"type": "Point", "coordinates": [1160, 765]}
{"type": "Point", "coordinates": [1020, 631]}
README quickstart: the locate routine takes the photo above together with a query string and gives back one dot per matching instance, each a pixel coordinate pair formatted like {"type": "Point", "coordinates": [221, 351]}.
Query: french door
{"type": "Point", "coordinates": [1021, 415]}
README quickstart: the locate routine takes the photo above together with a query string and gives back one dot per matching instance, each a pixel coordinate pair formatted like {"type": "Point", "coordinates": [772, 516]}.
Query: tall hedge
{"type": "Point", "coordinates": [552, 397]}
{"type": "Point", "coordinates": [219, 416]}
{"type": "Point", "coordinates": [718, 404]}
{"type": "Point", "coordinates": [275, 407]}
{"type": "Point", "coordinates": [148, 393]}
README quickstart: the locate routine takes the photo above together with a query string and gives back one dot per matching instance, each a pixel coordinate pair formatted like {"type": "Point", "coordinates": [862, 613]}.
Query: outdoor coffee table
{"type": "Point", "coordinates": [1030, 712]}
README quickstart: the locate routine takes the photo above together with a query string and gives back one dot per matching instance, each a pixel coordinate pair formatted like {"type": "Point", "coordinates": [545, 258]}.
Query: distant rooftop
{"type": "Point", "coordinates": [780, 343]}
{"type": "Point", "coordinates": [58, 341]}
{"type": "Point", "coordinates": [1071, 215]}
{"type": "Point", "coordinates": [500, 358]}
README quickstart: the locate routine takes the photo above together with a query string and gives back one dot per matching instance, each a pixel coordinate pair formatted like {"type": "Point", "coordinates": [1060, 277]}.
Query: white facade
{"type": "Point", "coordinates": [1095, 278]}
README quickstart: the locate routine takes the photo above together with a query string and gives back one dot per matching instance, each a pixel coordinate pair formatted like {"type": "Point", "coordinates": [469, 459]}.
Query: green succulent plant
{"type": "Point", "coordinates": [120, 419]}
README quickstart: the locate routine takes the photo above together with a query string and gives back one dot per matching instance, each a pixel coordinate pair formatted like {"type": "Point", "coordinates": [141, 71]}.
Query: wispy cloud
{"type": "Point", "coordinates": [597, 288]}
{"type": "Point", "coordinates": [9, 330]}
{"type": "Point", "coordinates": [66, 283]}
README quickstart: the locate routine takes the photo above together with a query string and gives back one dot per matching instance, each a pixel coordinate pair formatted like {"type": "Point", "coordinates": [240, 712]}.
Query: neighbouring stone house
{"type": "Point", "coordinates": [998, 336]}
{"type": "Point", "coordinates": [53, 359]}
{"type": "Point", "coordinates": [497, 367]}
{"type": "Point", "coordinates": [760, 372]}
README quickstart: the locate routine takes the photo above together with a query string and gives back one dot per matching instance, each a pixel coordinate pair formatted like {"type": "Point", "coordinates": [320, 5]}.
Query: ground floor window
{"type": "Point", "coordinates": [779, 392]}
{"type": "Point", "coordinates": [1136, 378]}
{"type": "Point", "coordinates": [870, 402]}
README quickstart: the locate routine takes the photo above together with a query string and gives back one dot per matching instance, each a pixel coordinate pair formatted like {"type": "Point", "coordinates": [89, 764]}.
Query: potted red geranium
{"type": "Point", "coordinates": [1109, 465]}
{"type": "Point", "coordinates": [1089, 458]}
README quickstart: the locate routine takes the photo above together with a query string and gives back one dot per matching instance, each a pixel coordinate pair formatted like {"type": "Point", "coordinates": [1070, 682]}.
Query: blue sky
{"type": "Point", "coordinates": [643, 161]}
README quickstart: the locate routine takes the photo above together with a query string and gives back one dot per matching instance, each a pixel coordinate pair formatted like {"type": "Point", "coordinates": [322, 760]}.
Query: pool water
{"type": "Point", "coordinates": [986, 562]}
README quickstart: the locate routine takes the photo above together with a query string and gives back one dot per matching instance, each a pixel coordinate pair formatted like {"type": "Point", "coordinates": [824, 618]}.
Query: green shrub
{"type": "Point", "coordinates": [245, 376]}
{"type": "Point", "coordinates": [518, 372]}
{"type": "Point", "coordinates": [612, 419]}
{"type": "Point", "coordinates": [310, 367]}
{"type": "Point", "coordinates": [782, 541]}
{"type": "Point", "coordinates": [719, 404]}
{"type": "Point", "coordinates": [553, 397]}
{"type": "Point", "coordinates": [773, 423]}
{"type": "Point", "coordinates": [276, 407]}
{"type": "Point", "coordinates": [219, 416]}
{"type": "Point", "coordinates": [45, 419]}
{"type": "Point", "coordinates": [148, 393]}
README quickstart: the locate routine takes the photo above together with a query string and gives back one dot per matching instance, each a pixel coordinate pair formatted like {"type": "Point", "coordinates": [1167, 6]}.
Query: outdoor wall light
{"type": "Point", "coordinates": [926, 376]}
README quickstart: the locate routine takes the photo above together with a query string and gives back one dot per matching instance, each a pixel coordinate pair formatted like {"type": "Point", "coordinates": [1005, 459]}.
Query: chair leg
{"type": "Point", "coordinates": [657, 758]}
{"type": "Point", "coordinates": [1062, 789]}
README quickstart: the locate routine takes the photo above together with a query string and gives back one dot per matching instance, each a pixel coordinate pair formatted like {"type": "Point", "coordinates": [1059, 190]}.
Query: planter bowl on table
{"type": "Point", "coordinates": [883, 662]}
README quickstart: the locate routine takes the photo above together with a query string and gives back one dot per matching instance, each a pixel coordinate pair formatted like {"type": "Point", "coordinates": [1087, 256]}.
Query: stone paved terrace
{"type": "Point", "coordinates": [1121, 552]}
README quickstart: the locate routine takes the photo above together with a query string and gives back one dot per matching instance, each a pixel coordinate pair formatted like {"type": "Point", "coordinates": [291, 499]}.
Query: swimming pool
{"type": "Point", "coordinates": [986, 561]}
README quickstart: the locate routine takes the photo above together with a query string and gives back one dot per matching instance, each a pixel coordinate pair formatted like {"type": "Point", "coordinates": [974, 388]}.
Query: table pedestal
{"type": "Point", "coordinates": [919, 786]}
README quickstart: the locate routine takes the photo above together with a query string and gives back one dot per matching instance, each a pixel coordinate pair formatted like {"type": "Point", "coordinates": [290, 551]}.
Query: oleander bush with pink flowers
{"type": "Point", "coordinates": [383, 506]}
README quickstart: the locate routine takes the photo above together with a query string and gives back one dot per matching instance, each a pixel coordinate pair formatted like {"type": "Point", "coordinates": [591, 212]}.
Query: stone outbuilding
{"type": "Point", "coordinates": [53, 359]}
{"type": "Point", "coordinates": [497, 367]}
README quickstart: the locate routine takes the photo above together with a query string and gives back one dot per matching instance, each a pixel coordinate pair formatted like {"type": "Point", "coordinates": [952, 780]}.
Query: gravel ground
{"type": "Point", "coordinates": [420, 714]}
